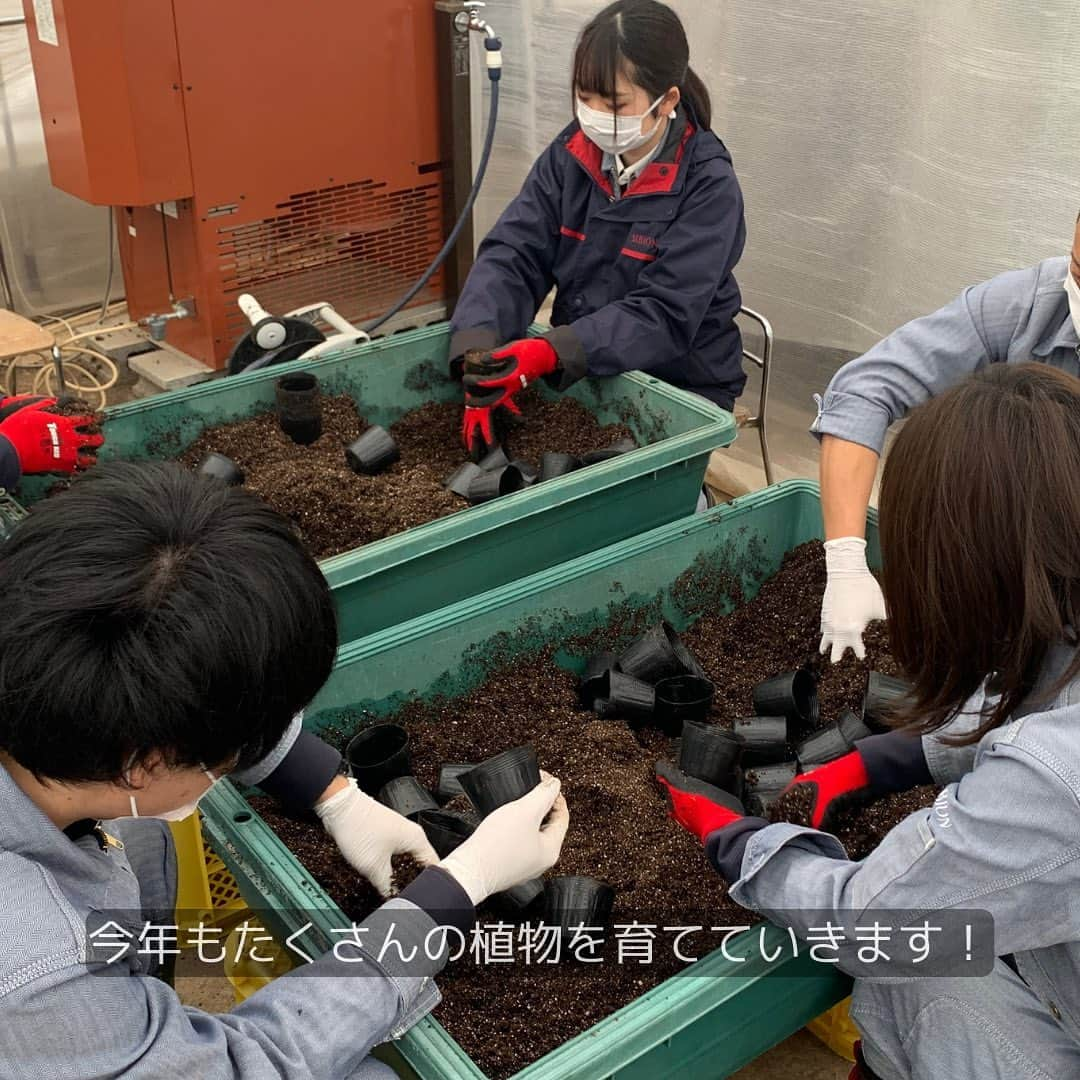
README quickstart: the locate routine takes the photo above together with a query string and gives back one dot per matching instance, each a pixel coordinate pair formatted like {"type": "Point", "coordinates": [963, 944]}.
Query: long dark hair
{"type": "Point", "coordinates": [645, 40]}
{"type": "Point", "coordinates": [980, 537]}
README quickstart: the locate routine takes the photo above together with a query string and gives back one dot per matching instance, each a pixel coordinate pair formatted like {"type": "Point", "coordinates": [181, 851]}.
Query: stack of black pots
{"type": "Point", "coordinates": [378, 759]}
{"type": "Point", "coordinates": [654, 682]}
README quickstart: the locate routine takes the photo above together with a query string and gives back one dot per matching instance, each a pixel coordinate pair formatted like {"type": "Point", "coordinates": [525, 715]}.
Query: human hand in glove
{"type": "Point", "coordinates": [499, 375]}
{"type": "Point", "coordinates": [698, 807]}
{"type": "Point", "coordinates": [368, 834]}
{"type": "Point", "coordinates": [835, 786]}
{"type": "Point", "coordinates": [517, 842]}
{"type": "Point", "coordinates": [44, 441]}
{"type": "Point", "coordinates": [852, 599]}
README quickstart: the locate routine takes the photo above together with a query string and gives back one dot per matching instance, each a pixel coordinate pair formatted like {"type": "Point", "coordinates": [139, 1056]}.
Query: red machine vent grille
{"type": "Point", "coordinates": [356, 245]}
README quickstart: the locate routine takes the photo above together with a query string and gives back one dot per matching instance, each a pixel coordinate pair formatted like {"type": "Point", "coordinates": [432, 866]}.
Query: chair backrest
{"type": "Point", "coordinates": [764, 362]}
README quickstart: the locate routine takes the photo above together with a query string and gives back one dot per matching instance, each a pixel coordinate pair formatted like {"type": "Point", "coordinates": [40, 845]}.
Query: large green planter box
{"type": "Point", "coordinates": [403, 576]}
{"type": "Point", "coordinates": [705, 1025]}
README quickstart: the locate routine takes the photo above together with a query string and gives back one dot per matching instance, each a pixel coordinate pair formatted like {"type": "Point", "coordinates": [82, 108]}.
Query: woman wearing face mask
{"type": "Point", "coordinates": [634, 214]}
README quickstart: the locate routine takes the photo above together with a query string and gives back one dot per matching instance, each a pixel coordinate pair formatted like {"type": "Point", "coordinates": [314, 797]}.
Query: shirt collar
{"type": "Point", "coordinates": [612, 165]}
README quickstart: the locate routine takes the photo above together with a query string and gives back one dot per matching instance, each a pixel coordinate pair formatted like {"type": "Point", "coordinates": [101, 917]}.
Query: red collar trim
{"type": "Point", "coordinates": [657, 178]}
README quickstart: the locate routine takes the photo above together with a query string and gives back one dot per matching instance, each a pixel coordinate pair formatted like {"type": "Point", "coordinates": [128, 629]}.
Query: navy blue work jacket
{"type": "Point", "coordinates": [645, 282]}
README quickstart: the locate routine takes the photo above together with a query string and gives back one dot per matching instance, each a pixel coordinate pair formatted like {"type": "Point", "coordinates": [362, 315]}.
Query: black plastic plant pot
{"type": "Point", "coordinates": [220, 467]}
{"type": "Point", "coordinates": [594, 679]}
{"type": "Point", "coordinates": [765, 740]}
{"type": "Point", "coordinates": [626, 697]}
{"type": "Point", "coordinates": [554, 464]}
{"type": "Point", "coordinates": [459, 480]}
{"type": "Point", "coordinates": [763, 784]}
{"type": "Point", "coordinates": [852, 727]}
{"type": "Point", "coordinates": [709, 753]}
{"type": "Point", "coordinates": [373, 452]}
{"type": "Point", "coordinates": [445, 830]}
{"type": "Point", "coordinates": [827, 744]}
{"type": "Point", "coordinates": [659, 654]}
{"type": "Point", "coordinates": [407, 796]}
{"type": "Point", "coordinates": [574, 900]}
{"type": "Point", "coordinates": [522, 897]}
{"type": "Point", "coordinates": [299, 406]}
{"type": "Point", "coordinates": [623, 446]}
{"type": "Point", "coordinates": [494, 459]}
{"type": "Point", "coordinates": [501, 779]}
{"type": "Point", "coordinates": [529, 475]}
{"type": "Point", "coordinates": [449, 785]}
{"type": "Point", "coordinates": [682, 698]}
{"type": "Point", "coordinates": [884, 694]}
{"type": "Point", "coordinates": [490, 485]}
{"type": "Point", "coordinates": [377, 755]}
{"type": "Point", "coordinates": [792, 694]}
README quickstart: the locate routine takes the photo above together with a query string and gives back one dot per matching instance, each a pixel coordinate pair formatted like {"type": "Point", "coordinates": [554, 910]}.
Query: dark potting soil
{"type": "Point", "coordinates": [337, 509]}
{"type": "Point", "coordinates": [620, 831]}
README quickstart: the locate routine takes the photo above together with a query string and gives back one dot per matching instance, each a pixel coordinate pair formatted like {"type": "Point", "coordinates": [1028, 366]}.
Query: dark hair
{"type": "Point", "coordinates": [148, 610]}
{"type": "Point", "coordinates": [645, 40]}
{"type": "Point", "coordinates": [980, 519]}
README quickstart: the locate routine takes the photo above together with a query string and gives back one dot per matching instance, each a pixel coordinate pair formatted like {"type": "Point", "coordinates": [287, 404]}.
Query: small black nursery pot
{"type": "Point", "coordinates": [554, 464]}
{"type": "Point", "coordinates": [764, 783]}
{"type": "Point", "coordinates": [501, 779]}
{"type": "Point", "coordinates": [373, 452]}
{"type": "Point", "coordinates": [884, 694]}
{"type": "Point", "coordinates": [765, 739]}
{"type": "Point", "coordinates": [522, 897]}
{"type": "Point", "coordinates": [407, 796]}
{"type": "Point", "coordinates": [594, 679]}
{"type": "Point", "coordinates": [494, 459]}
{"type": "Point", "coordinates": [461, 478]}
{"type": "Point", "coordinates": [299, 406]}
{"type": "Point", "coordinates": [574, 900]}
{"type": "Point", "coordinates": [658, 654]}
{"type": "Point", "coordinates": [445, 830]}
{"type": "Point", "coordinates": [630, 698]}
{"type": "Point", "coordinates": [490, 485]}
{"type": "Point", "coordinates": [529, 475]}
{"type": "Point", "coordinates": [377, 755]}
{"type": "Point", "coordinates": [827, 744]}
{"type": "Point", "coordinates": [623, 446]}
{"type": "Point", "coordinates": [682, 698]}
{"type": "Point", "coordinates": [852, 727]}
{"type": "Point", "coordinates": [449, 785]}
{"type": "Point", "coordinates": [221, 468]}
{"type": "Point", "coordinates": [710, 753]}
{"type": "Point", "coordinates": [792, 694]}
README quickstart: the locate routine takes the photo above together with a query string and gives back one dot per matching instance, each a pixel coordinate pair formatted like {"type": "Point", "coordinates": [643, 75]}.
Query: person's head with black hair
{"type": "Point", "coordinates": [155, 624]}
{"type": "Point", "coordinates": [633, 60]}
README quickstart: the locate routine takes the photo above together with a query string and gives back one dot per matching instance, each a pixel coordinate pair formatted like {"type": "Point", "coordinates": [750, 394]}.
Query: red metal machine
{"type": "Point", "coordinates": [298, 152]}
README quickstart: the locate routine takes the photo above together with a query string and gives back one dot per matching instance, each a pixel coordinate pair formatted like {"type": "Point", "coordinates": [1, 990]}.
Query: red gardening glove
{"type": "Point", "coordinates": [47, 442]}
{"type": "Point", "coordinates": [522, 362]}
{"type": "Point", "coordinates": [476, 429]}
{"type": "Point", "coordinates": [698, 807]}
{"type": "Point", "coordinates": [836, 786]}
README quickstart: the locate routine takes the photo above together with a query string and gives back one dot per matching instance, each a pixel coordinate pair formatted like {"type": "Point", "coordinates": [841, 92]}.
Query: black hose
{"type": "Point", "coordinates": [466, 210]}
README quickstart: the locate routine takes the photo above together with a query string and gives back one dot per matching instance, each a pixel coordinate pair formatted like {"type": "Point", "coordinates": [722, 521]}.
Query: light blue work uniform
{"type": "Point", "coordinates": [1004, 837]}
{"type": "Point", "coordinates": [1018, 316]}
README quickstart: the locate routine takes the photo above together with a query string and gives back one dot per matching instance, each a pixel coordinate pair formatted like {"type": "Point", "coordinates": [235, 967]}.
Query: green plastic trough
{"type": "Point", "coordinates": [706, 1025]}
{"type": "Point", "coordinates": [428, 567]}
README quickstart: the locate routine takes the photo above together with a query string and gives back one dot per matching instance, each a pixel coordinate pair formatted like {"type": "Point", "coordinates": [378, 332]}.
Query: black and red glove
{"type": "Point", "coordinates": [836, 786]}
{"type": "Point", "coordinates": [46, 442]}
{"type": "Point", "coordinates": [698, 807]}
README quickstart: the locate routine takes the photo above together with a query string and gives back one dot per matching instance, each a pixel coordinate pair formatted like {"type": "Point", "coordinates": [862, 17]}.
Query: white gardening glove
{"type": "Point", "coordinates": [852, 597]}
{"type": "Point", "coordinates": [512, 844]}
{"type": "Point", "coordinates": [368, 833]}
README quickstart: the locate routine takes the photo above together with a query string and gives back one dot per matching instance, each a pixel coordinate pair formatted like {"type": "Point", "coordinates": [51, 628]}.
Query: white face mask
{"type": "Point", "coordinates": [615, 135]}
{"type": "Point", "coordinates": [1073, 292]}
{"type": "Point", "coordinates": [181, 812]}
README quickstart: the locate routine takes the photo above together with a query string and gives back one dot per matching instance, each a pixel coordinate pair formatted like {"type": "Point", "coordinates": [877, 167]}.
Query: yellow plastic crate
{"type": "Point", "coordinates": [837, 1030]}
{"type": "Point", "coordinates": [247, 974]}
{"type": "Point", "coordinates": [205, 891]}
